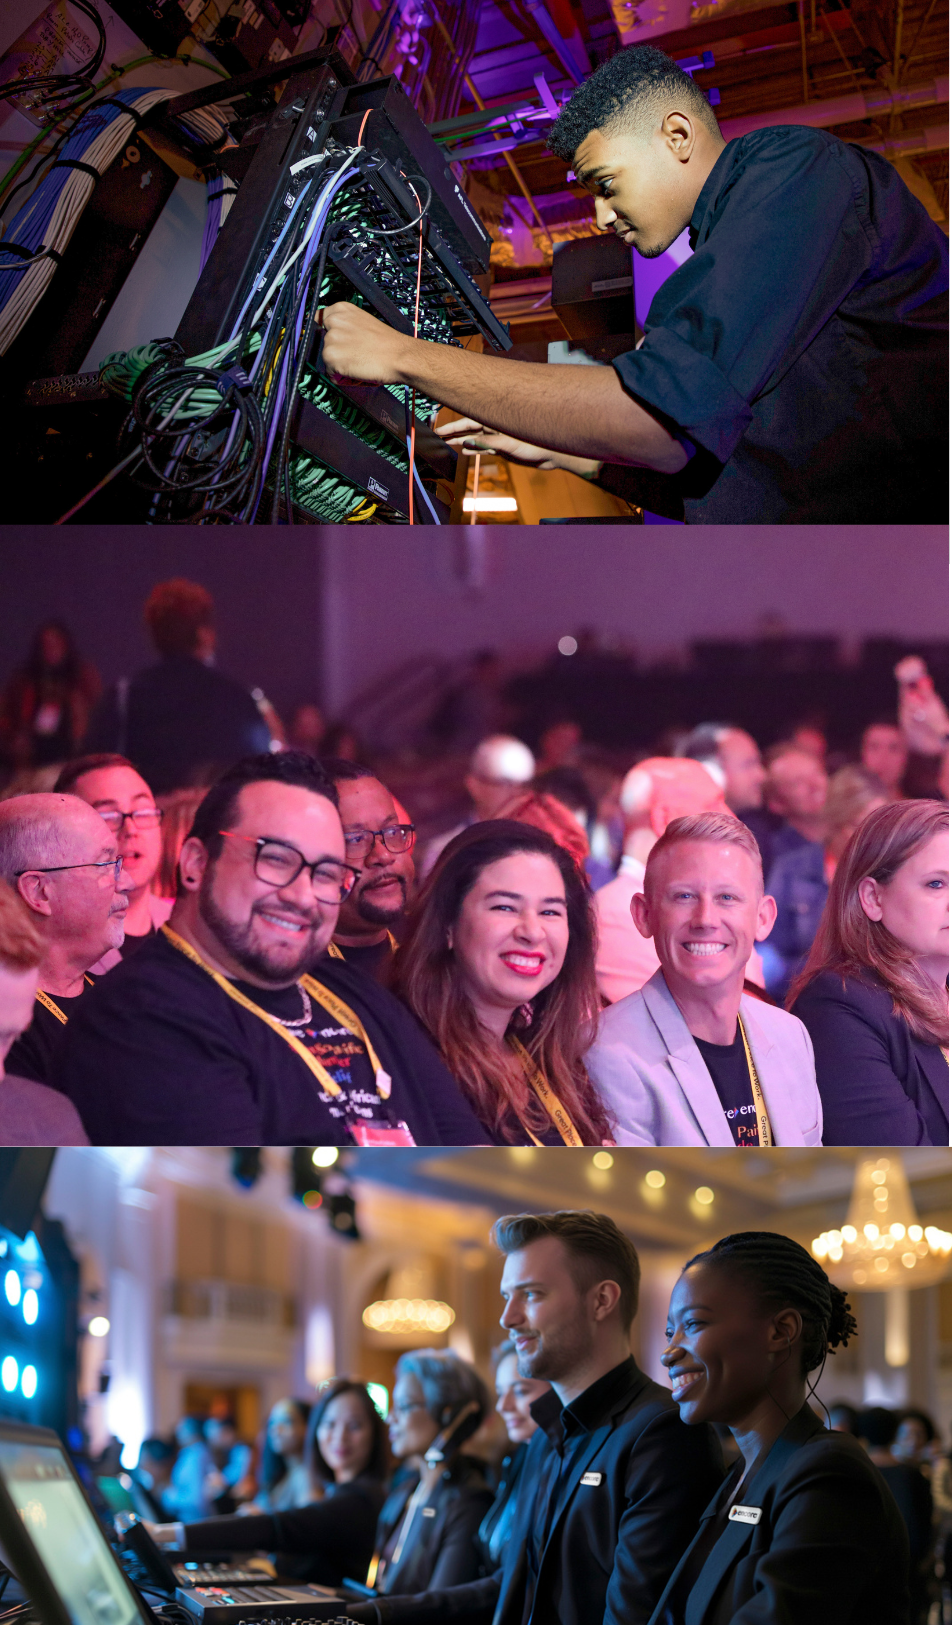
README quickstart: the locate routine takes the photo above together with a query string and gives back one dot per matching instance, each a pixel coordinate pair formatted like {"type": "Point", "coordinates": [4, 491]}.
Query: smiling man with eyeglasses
{"type": "Point", "coordinates": [379, 841]}
{"type": "Point", "coordinates": [64, 862]}
{"type": "Point", "coordinates": [231, 1023]}
{"type": "Point", "coordinates": [120, 795]}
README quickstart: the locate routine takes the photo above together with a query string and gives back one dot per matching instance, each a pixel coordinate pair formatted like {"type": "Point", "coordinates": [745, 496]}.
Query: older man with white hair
{"type": "Point", "coordinates": [498, 766]}
{"type": "Point", "coordinates": [63, 860]}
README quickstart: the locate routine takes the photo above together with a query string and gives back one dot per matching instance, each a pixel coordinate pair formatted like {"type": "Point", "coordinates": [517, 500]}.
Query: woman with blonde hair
{"type": "Point", "coordinates": [873, 993]}
{"type": "Point", "coordinates": [498, 964]}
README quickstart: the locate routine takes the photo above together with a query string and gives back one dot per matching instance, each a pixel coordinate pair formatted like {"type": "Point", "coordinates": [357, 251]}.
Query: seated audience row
{"type": "Point", "coordinates": [614, 1505]}
{"type": "Point", "coordinates": [265, 976]}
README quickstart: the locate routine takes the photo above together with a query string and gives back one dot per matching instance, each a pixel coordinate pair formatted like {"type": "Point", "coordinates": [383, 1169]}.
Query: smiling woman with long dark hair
{"type": "Point", "coordinates": [803, 1529]}
{"type": "Point", "coordinates": [873, 994]}
{"type": "Point", "coordinates": [499, 965]}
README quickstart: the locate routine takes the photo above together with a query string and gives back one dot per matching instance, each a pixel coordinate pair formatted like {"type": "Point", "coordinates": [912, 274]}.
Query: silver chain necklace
{"type": "Point", "coordinates": [302, 1021]}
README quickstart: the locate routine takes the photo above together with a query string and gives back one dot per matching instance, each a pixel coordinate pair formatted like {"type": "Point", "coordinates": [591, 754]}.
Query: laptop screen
{"type": "Point", "coordinates": [67, 1537]}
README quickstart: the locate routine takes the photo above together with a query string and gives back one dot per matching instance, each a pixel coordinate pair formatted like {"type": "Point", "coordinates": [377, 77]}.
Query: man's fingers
{"type": "Point", "coordinates": [461, 426]}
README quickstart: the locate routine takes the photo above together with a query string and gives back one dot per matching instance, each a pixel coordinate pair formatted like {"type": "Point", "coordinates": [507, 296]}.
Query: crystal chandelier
{"type": "Point", "coordinates": [403, 1315]}
{"type": "Point", "coordinates": [883, 1245]}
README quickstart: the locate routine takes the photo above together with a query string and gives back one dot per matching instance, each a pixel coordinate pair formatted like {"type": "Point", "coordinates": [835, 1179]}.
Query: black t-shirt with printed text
{"type": "Point", "coordinates": [730, 1075]}
{"type": "Point", "coordinates": [161, 1055]}
{"type": "Point", "coordinates": [31, 1055]}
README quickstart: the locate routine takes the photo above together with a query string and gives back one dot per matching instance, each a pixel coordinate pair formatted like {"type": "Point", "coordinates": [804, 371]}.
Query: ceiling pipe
{"type": "Point", "coordinates": [872, 103]}
{"type": "Point", "coordinates": [911, 145]}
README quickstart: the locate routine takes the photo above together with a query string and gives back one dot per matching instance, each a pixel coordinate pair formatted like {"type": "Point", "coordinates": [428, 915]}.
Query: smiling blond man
{"type": "Point", "coordinates": [691, 1059]}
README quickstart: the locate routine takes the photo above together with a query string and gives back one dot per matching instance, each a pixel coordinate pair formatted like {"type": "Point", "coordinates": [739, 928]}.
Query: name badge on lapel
{"type": "Point", "coordinates": [429, 1512]}
{"type": "Point", "coordinates": [590, 1478]}
{"type": "Point", "coordinates": [745, 1514]}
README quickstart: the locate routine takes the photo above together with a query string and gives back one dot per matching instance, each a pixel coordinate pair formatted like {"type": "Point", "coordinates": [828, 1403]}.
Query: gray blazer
{"type": "Point", "coordinates": [650, 1075]}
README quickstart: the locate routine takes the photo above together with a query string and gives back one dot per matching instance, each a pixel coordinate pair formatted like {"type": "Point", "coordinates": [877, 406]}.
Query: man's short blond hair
{"type": "Point", "coordinates": [720, 828]}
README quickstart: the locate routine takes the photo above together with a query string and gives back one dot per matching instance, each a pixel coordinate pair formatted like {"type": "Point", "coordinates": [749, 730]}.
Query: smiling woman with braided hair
{"type": "Point", "coordinates": [803, 1530]}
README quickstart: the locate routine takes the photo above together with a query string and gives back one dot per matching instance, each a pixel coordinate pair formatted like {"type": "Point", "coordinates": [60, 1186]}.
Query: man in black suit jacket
{"type": "Point", "coordinates": [613, 1482]}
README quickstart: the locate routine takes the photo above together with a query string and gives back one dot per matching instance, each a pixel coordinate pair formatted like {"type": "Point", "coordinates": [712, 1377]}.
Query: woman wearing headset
{"type": "Point", "coordinates": [803, 1529]}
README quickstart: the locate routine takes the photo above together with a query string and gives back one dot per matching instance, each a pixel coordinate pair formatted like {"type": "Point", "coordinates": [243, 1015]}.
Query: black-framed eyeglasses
{"type": "Point", "coordinates": [393, 838]}
{"type": "Point", "coordinates": [141, 818]}
{"type": "Point", "coordinates": [279, 864]}
{"type": "Point", "coordinates": [59, 868]}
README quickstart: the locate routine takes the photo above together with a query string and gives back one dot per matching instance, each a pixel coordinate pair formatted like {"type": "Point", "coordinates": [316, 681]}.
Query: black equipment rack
{"type": "Point", "coordinates": [323, 109]}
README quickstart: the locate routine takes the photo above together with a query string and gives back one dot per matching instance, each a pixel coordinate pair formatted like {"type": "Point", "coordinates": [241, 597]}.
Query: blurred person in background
{"type": "Point", "coordinates": [559, 745]}
{"type": "Point", "coordinates": [912, 1494]}
{"type": "Point", "coordinates": [551, 815]}
{"type": "Point", "coordinates": [568, 785]}
{"type": "Point", "coordinates": [150, 1476]}
{"type": "Point", "coordinates": [378, 841]}
{"type": "Point", "coordinates": [653, 793]}
{"type": "Point", "coordinates": [30, 1113]}
{"type": "Point", "coordinates": [874, 991]}
{"type": "Point", "coordinates": [924, 721]}
{"type": "Point", "coordinates": [883, 751]}
{"type": "Point", "coordinates": [810, 736]}
{"type": "Point", "coordinates": [844, 1418]}
{"type": "Point", "coordinates": [498, 767]}
{"type": "Point", "coordinates": [63, 861]}
{"type": "Point", "coordinates": [178, 816]}
{"type": "Point", "coordinates": [343, 742]}
{"type": "Point", "coordinates": [515, 1395]}
{"type": "Point", "coordinates": [174, 719]}
{"type": "Point", "coordinates": [792, 815]}
{"type": "Point", "coordinates": [232, 1480]}
{"type": "Point", "coordinates": [332, 1537]}
{"type": "Point", "coordinates": [799, 880]}
{"type": "Point", "coordinates": [285, 1477]}
{"type": "Point", "coordinates": [307, 728]}
{"type": "Point", "coordinates": [187, 1496]}
{"type": "Point", "coordinates": [498, 965]}
{"type": "Point", "coordinates": [45, 706]}
{"type": "Point", "coordinates": [120, 795]}
{"type": "Point", "coordinates": [692, 1059]}
{"type": "Point", "coordinates": [733, 758]}
{"type": "Point", "coordinates": [427, 1531]}
{"type": "Point", "coordinates": [471, 708]}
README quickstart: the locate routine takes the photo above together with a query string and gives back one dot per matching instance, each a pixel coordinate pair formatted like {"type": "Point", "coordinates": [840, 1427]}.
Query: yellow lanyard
{"type": "Point", "coordinates": [764, 1131]}
{"type": "Point", "coordinates": [51, 1005]}
{"type": "Point", "coordinates": [335, 1007]}
{"type": "Point", "coordinates": [333, 952]}
{"type": "Point", "coordinates": [551, 1102]}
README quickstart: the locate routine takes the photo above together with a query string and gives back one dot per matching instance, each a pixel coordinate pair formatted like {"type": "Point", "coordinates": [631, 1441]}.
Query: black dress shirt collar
{"type": "Point", "coordinates": [589, 1408]}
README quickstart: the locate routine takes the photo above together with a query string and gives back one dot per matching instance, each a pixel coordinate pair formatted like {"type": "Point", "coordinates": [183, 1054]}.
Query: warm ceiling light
{"type": "Point", "coordinates": [704, 1195]}
{"type": "Point", "coordinates": [883, 1244]}
{"type": "Point", "coordinates": [403, 1315]}
{"type": "Point", "coordinates": [603, 1159]}
{"type": "Point", "coordinates": [490, 505]}
{"type": "Point", "coordinates": [655, 1178]}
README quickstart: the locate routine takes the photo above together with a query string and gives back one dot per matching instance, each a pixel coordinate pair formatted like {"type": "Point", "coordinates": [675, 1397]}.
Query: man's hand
{"type": "Point", "coordinates": [357, 346]}
{"type": "Point", "coordinates": [468, 435]}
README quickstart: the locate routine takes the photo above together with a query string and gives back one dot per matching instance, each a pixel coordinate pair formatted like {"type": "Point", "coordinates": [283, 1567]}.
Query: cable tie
{"type": "Point", "coordinates": [75, 163]}
{"type": "Point", "coordinates": [235, 377]}
{"type": "Point", "coordinates": [130, 112]}
{"type": "Point", "coordinates": [30, 253]}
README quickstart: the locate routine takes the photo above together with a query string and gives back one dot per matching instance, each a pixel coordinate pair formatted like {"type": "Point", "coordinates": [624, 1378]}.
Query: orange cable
{"type": "Point", "coordinates": [416, 329]}
{"type": "Point", "coordinates": [360, 132]}
{"type": "Point", "coordinates": [472, 518]}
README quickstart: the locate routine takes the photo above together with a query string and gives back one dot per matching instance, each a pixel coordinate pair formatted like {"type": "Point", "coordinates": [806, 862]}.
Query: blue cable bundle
{"type": "Point", "coordinates": [43, 225]}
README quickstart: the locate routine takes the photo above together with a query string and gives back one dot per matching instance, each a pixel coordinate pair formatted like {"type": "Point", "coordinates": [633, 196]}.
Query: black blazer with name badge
{"type": "Point", "coordinates": [639, 1482]}
{"type": "Point", "coordinates": [828, 1544]}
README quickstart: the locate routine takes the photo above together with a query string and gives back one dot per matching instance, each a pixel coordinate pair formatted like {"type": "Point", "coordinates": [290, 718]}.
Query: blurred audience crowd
{"type": "Point", "coordinates": [723, 941]}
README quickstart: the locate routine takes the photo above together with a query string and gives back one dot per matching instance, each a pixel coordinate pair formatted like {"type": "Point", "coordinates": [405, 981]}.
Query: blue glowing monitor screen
{"type": "Point", "coordinates": [68, 1540]}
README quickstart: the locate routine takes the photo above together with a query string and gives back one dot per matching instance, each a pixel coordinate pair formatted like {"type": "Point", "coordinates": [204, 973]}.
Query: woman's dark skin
{"type": "Point", "coordinates": [736, 1365]}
